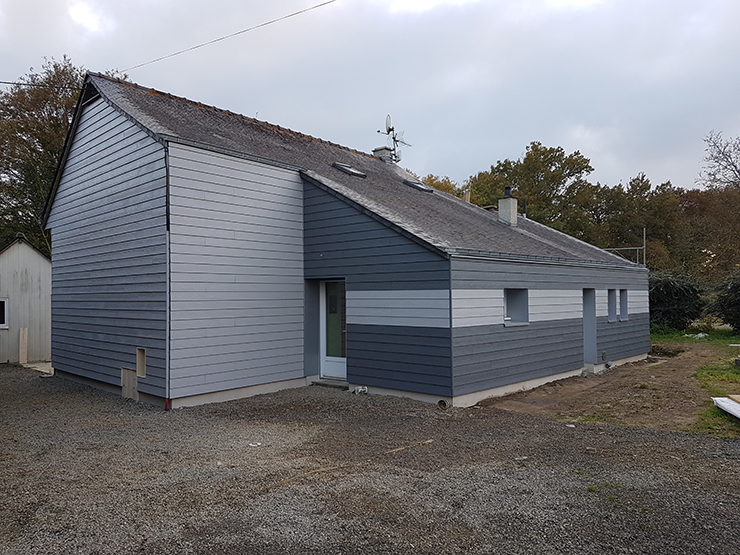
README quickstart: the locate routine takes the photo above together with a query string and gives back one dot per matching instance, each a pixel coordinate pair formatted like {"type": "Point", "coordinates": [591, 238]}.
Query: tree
{"type": "Point", "coordinates": [675, 300]}
{"type": "Point", "coordinates": [35, 115]}
{"type": "Point", "coordinates": [727, 304]}
{"type": "Point", "coordinates": [722, 162]}
{"type": "Point", "coordinates": [443, 184]}
{"type": "Point", "coordinates": [541, 178]}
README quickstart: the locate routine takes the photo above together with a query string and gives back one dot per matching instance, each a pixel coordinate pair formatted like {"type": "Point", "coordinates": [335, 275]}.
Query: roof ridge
{"type": "Point", "coordinates": [222, 111]}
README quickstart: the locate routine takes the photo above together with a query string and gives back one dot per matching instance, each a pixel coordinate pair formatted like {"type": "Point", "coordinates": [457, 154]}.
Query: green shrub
{"type": "Point", "coordinates": [727, 303]}
{"type": "Point", "coordinates": [675, 300]}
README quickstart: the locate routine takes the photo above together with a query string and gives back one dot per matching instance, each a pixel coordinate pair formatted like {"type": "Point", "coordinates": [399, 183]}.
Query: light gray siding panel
{"type": "Point", "coordinates": [417, 308]}
{"type": "Point", "coordinates": [485, 357]}
{"type": "Point", "coordinates": [109, 252]}
{"type": "Point", "coordinates": [236, 272]}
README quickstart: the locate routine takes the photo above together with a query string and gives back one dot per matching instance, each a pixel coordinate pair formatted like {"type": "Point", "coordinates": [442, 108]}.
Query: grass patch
{"type": "Point", "coordinates": [719, 337]}
{"type": "Point", "coordinates": [598, 417]}
{"type": "Point", "coordinates": [720, 379]}
{"type": "Point", "coordinates": [717, 423]}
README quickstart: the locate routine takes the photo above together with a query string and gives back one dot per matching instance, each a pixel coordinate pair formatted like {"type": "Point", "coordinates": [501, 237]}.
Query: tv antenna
{"type": "Point", "coordinates": [394, 139]}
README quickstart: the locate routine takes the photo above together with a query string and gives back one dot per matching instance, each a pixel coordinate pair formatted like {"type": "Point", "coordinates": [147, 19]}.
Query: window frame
{"type": "Point", "coordinates": [516, 307]}
{"type": "Point", "coordinates": [611, 301]}
{"type": "Point", "coordinates": [4, 311]}
{"type": "Point", "coordinates": [624, 313]}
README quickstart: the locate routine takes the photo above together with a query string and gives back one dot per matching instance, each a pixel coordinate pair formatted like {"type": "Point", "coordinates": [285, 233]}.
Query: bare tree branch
{"type": "Point", "coordinates": [721, 162]}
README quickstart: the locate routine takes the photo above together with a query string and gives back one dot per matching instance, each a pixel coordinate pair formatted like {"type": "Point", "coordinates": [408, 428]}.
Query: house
{"type": "Point", "coordinates": [200, 255]}
{"type": "Point", "coordinates": [25, 303]}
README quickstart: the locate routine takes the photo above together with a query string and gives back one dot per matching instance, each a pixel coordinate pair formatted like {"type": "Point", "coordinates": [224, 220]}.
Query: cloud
{"type": "Point", "coordinates": [89, 17]}
{"type": "Point", "coordinates": [573, 4]}
{"type": "Point", "coordinates": [417, 6]}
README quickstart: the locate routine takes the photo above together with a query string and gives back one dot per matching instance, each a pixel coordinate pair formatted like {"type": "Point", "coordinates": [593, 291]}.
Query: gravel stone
{"type": "Point", "coordinates": [322, 471]}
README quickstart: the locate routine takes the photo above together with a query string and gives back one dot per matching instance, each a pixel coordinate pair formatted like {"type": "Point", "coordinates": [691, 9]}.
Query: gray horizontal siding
{"type": "Point", "coordinates": [485, 357]}
{"type": "Point", "coordinates": [419, 308]}
{"type": "Point", "coordinates": [341, 242]}
{"type": "Point", "coordinates": [236, 273]}
{"type": "Point", "coordinates": [493, 274]}
{"type": "Point", "coordinates": [400, 357]}
{"type": "Point", "coordinates": [617, 340]}
{"type": "Point", "coordinates": [109, 253]}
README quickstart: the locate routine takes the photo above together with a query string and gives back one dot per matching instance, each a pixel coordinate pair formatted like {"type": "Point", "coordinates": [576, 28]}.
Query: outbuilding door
{"type": "Point", "coordinates": [333, 330]}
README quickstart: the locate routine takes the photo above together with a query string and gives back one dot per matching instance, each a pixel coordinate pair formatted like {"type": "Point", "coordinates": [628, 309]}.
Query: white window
{"type": "Point", "coordinates": [624, 314]}
{"type": "Point", "coordinates": [4, 314]}
{"type": "Point", "coordinates": [516, 307]}
{"type": "Point", "coordinates": [612, 305]}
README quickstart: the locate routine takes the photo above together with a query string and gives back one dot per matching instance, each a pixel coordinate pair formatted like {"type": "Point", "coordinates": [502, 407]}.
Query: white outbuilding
{"type": "Point", "coordinates": [25, 303]}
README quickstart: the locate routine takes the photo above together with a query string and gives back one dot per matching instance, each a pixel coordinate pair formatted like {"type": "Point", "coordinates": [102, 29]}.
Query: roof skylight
{"type": "Point", "coordinates": [349, 170]}
{"type": "Point", "coordinates": [418, 185]}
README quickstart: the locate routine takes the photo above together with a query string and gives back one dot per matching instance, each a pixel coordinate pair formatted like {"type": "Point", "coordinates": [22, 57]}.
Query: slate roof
{"type": "Point", "coordinates": [439, 219]}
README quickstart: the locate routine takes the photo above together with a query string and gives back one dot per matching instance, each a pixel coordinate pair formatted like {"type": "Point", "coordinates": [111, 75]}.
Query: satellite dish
{"type": "Point", "coordinates": [394, 139]}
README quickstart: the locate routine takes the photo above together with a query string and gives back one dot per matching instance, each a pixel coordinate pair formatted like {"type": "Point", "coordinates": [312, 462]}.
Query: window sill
{"type": "Point", "coordinates": [515, 324]}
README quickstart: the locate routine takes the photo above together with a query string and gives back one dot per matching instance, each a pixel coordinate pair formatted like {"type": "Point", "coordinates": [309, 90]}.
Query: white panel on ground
{"type": "Point", "coordinates": [727, 405]}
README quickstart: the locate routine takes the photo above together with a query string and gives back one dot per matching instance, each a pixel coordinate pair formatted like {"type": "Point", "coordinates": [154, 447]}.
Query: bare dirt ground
{"type": "Point", "coordinates": [662, 394]}
{"type": "Point", "coordinates": [321, 471]}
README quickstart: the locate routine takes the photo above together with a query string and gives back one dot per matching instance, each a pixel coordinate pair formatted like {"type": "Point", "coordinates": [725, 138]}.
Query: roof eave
{"type": "Point", "coordinates": [17, 240]}
{"type": "Point", "coordinates": [484, 255]}
{"type": "Point", "coordinates": [88, 92]}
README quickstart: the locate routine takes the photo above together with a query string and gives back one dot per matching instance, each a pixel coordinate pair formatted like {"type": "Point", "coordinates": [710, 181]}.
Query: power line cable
{"type": "Point", "coordinates": [38, 85]}
{"type": "Point", "coordinates": [231, 35]}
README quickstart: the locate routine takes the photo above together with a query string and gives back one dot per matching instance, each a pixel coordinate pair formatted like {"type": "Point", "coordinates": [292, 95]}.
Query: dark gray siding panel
{"type": "Point", "coordinates": [389, 278]}
{"type": "Point", "coordinates": [236, 267]}
{"type": "Point", "coordinates": [493, 274]}
{"type": "Point", "coordinates": [400, 357]}
{"type": "Point", "coordinates": [617, 340]}
{"type": "Point", "coordinates": [109, 255]}
{"type": "Point", "coordinates": [493, 356]}
{"type": "Point", "coordinates": [339, 241]}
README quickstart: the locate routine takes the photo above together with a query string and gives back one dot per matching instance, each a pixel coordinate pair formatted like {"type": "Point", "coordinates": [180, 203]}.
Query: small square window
{"type": "Point", "coordinates": [612, 315]}
{"type": "Point", "coordinates": [624, 314]}
{"type": "Point", "coordinates": [4, 314]}
{"type": "Point", "coordinates": [516, 307]}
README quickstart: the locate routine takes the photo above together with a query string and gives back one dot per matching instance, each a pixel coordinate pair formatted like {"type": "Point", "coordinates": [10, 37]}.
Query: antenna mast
{"type": "Point", "coordinates": [394, 139]}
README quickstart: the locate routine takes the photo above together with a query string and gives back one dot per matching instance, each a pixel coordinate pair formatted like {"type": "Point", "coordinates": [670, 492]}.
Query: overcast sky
{"type": "Point", "coordinates": [634, 85]}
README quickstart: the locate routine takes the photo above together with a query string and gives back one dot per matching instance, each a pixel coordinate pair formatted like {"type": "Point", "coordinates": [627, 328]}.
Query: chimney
{"type": "Point", "coordinates": [507, 208]}
{"type": "Point", "coordinates": [384, 153]}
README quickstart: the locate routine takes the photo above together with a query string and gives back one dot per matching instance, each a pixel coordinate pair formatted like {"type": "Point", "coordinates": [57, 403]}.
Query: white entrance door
{"type": "Point", "coordinates": [333, 330]}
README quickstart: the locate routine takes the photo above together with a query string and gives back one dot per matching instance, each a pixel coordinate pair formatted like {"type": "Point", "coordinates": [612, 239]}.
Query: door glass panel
{"type": "Point", "coordinates": [336, 319]}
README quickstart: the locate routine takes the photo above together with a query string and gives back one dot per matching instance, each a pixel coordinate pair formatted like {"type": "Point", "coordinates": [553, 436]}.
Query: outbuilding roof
{"type": "Point", "coordinates": [440, 220]}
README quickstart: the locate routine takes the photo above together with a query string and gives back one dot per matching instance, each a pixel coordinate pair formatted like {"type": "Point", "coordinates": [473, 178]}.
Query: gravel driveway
{"type": "Point", "coordinates": [323, 471]}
